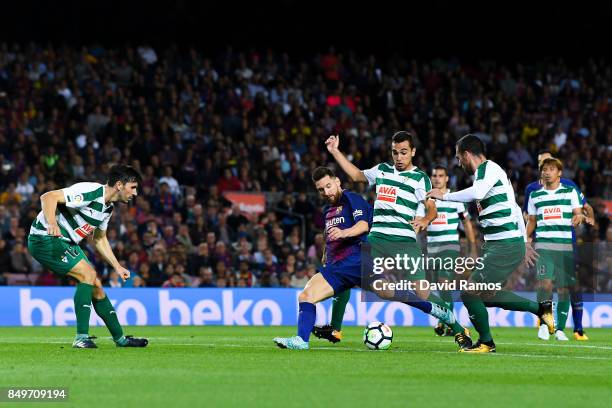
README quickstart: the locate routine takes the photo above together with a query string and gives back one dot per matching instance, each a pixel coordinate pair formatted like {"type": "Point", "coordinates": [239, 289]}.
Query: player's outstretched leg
{"type": "Point", "coordinates": [437, 308]}
{"type": "Point", "coordinates": [106, 311]}
{"type": "Point", "coordinates": [511, 301]}
{"type": "Point", "coordinates": [333, 331]}
{"type": "Point", "coordinates": [316, 290]}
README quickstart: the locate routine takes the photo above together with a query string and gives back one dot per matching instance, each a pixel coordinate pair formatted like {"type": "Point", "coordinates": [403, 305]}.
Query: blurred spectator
{"type": "Point", "coordinates": [299, 279]}
{"type": "Point", "coordinates": [175, 281]}
{"type": "Point", "coordinates": [198, 126]}
{"type": "Point", "coordinates": [206, 277]}
{"type": "Point", "coordinates": [21, 260]}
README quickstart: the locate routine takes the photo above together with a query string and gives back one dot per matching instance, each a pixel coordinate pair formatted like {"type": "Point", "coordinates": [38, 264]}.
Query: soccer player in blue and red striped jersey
{"type": "Point", "coordinates": [348, 218]}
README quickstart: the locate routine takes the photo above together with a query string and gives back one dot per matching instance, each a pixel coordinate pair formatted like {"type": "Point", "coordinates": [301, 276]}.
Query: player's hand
{"type": "Point", "coordinates": [336, 233]}
{"type": "Point", "coordinates": [124, 273]}
{"type": "Point", "coordinates": [589, 220]}
{"type": "Point", "coordinates": [578, 219]}
{"type": "Point", "coordinates": [530, 255]}
{"type": "Point", "coordinates": [419, 224]}
{"type": "Point", "coordinates": [435, 193]}
{"type": "Point", "coordinates": [54, 230]}
{"type": "Point", "coordinates": [332, 143]}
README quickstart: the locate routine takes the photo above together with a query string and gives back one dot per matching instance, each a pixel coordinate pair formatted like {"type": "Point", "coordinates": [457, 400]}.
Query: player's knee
{"type": "Point", "coordinates": [546, 284]}
{"type": "Point", "coordinates": [88, 275]}
{"type": "Point", "coordinates": [305, 296]}
{"type": "Point", "coordinates": [98, 291]}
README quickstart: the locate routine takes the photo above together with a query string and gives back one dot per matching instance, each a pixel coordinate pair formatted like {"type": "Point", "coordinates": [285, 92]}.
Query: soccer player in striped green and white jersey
{"type": "Point", "coordinates": [443, 236]}
{"type": "Point", "coordinates": [575, 295]}
{"type": "Point", "coordinates": [505, 241]}
{"type": "Point", "coordinates": [68, 216]}
{"type": "Point", "coordinates": [400, 188]}
{"type": "Point", "coordinates": [553, 211]}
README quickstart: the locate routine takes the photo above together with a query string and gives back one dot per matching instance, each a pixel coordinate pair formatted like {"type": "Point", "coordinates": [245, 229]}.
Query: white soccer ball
{"type": "Point", "coordinates": [377, 336]}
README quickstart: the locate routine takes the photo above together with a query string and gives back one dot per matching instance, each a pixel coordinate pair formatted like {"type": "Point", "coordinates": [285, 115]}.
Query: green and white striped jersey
{"type": "Point", "coordinates": [554, 210]}
{"type": "Point", "coordinates": [444, 229]}
{"type": "Point", "coordinates": [83, 212]}
{"type": "Point", "coordinates": [499, 216]}
{"type": "Point", "coordinates": [398, 195]}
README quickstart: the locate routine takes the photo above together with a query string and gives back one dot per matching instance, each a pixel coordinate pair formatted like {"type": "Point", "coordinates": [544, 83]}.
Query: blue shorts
{"type": "Point", "coordinates": [341, 278]}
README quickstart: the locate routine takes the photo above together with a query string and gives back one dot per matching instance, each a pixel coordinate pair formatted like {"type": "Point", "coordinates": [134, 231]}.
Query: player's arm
{"type": "Point", "coordinates": [531, 226]}
{"type": "Point", "coordinates": [470, 234]}
{"type": "Point", "coordinates": [479, 189]}
{"type": "Point", "coordinates": [49, 202]}
{"type": "Point", "coordinates": [586, 207]}
{"type": "Point", "coordinates": [324, 256]}
{"type": "Point", "coordinates": [361, 227]}
{"type": "Point", "coordinates": [469, 230]}
{"type": "Point", "coordinates": [332, 143]}
{"type": "Point", "coordinates": [589, 213]}
{"type": "Point", "coordinates": [104, 249]}
{"type": "Point", "coordinates": [530, 253]}
{"type": "Point", "coordinates": [578, 217]}
{"type": "Point", "coordinates": [577, 202]}
{"type": "Point", "coordinates": [421, 223]}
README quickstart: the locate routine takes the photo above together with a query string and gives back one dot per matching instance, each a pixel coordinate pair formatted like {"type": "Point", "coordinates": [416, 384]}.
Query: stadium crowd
{"type": "Point", "coordinates": [197, 125]}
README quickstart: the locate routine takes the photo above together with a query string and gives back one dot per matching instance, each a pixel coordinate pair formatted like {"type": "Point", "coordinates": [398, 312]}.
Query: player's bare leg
{"type": "Point", "coordinates": [316, 290]}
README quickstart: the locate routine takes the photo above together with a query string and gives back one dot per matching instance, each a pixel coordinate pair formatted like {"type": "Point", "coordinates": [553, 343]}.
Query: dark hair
{"type": "Point", "coordinates": [544, 151]}
{"type": "Point", "coordinates": [471, 143]}
{"type": "Point", "coordinates": [321, 172]}
{"type": "Point", "coordinates": [124, 174]}
{"type": "Point", "coordinates": [440, 167]}
{"type": "Point", "coordinates": [403, 136]}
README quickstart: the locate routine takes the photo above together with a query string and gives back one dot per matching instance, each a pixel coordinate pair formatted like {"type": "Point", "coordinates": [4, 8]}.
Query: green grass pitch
{"type": "Point", "coordinates": [240, 366]}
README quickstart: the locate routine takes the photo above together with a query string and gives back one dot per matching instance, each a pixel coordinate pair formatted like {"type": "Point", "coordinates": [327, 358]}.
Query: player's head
{"type": "Point", "coordinates": [327, 184]}
{"type": "Point", "coordinates": [124, 180]}
{"type": "Point", "coordinates": [468, 149]}
{"type": "Point", "coordinates": [550, 169]}
{"type": "Point", "coordinates": [439, 177]}
{"type": "Point", "coordinates": [543, 154]}
{"type": "Point", "coordinates": [402, 150]}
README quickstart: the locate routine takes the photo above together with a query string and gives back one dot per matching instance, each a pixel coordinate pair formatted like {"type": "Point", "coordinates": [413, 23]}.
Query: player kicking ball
{"type": "Point", "coordinates": [68, 216]}
{"type": "Point", "coordinates": [347, 221]}
{"type": "Point", "coordinates": [505, 246]}
{"type": "Point", "coordinates": [400, 190]}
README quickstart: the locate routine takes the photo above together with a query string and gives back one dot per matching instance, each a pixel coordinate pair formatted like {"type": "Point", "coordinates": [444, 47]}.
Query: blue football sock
{"type": "Point", "coordinates": [306, 320]}
{"type": "Point", "coordinates": [577, 310]}
{"type": "Point", "coordinates": [423, 305]}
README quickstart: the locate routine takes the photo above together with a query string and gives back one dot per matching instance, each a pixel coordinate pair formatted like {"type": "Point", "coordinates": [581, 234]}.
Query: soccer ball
{"type": "Point", "coordinates": [377, 336]}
